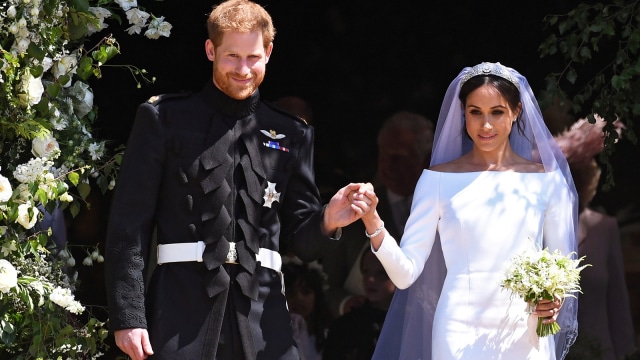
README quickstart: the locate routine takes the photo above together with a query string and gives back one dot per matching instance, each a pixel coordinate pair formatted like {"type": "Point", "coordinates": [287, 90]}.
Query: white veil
{"type": "Point", "coordinates": [406, 333]}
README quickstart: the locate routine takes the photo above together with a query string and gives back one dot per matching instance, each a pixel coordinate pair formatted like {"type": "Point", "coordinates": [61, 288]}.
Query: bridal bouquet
{"type": "Point", "coordinates": [543, 275]}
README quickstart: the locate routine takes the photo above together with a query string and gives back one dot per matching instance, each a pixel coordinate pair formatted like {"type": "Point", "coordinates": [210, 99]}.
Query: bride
{"type": "Point", "coordinates": [498, 185]}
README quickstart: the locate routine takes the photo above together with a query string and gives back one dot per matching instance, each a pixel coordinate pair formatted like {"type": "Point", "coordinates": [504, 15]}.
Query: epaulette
{"type": "Point", "coordinates": [156, 99]}
{"type": "Point", "coordinates": [285, 112]}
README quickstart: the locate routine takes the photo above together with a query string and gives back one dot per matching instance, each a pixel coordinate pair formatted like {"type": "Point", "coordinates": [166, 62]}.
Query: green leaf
{"type": "Point", "coordinates": [84, 189]}
{"type": "Point", "coordinates": [74, 208]}
{"type": "Point", "coordinates": [80, 5]}
{"type": "Point", "coordinates": [53, 89]}
{"type": "Point", "coordinates": [63, 79]}
{"type": "Point", "coordinates": [35, 51]}
{"type": "Point", "coordinates": [74, 177]}
{"type": "Point", "coordinates": [85, 68]}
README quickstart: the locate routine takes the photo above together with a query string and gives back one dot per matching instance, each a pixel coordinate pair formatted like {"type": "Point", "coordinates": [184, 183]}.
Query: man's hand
{"type": "Point", "coordinates": [134, 342]}
{"type": "Point", "coordinates": [343, 209]}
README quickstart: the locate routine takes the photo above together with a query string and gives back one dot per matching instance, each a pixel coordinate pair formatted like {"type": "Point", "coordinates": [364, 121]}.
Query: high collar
{"type": "Point", "coordinates": [236, 109]}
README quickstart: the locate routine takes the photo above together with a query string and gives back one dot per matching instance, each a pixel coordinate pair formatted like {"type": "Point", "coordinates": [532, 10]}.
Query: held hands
{"type": "Point", "coordinates": [549, 310]}
{"type": "Point", "coordinates": [346, 206]}
{"type": "Point", "coordinates": [134, 342]}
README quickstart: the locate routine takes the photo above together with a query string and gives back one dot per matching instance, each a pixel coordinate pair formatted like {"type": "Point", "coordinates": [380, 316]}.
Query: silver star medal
{"type": "Point", "coordinates": [270, 194]}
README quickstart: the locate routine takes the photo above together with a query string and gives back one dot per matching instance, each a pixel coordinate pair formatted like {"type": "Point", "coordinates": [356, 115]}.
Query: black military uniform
{"type": "Point", "coordinates": [207, 168]}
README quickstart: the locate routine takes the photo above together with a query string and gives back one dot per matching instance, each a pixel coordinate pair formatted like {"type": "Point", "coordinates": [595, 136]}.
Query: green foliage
{"type": "Point", "coordinates": [49, 161]}
{"type": "Point", "coordinates": [599, 45]}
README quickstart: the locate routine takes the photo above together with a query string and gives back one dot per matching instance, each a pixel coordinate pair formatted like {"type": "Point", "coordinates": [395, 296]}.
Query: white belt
{"type": "Point", "coordinates": [178, 252]}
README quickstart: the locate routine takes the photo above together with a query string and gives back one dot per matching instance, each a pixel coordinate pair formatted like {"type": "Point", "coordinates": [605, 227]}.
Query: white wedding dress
{"type": "Point", "coordinates": [483, 220]}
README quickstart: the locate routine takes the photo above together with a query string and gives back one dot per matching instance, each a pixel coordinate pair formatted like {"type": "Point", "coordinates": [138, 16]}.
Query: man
{"type": "Point", "coordinates": [404, 151]}
{"type": "Point", "coordinates": [221, 181]}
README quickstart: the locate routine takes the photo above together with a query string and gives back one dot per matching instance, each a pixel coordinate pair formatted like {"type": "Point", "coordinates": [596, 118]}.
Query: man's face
{"type": "Point", "coordinates": [399, 164]}
{"type": "Point", "coordinates": [239, 63]}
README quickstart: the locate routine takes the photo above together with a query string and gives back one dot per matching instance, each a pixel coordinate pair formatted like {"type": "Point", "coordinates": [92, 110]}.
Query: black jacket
{"type": "Point", "coordinates": [195, 169]}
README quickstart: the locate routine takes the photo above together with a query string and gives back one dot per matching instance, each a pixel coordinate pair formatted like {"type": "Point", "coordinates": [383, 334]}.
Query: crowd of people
{"type": "Point", "coordinates": [221, 245]}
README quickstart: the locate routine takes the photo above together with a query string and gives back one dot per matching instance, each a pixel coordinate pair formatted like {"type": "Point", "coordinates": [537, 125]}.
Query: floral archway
{"type": "Point", "coordinates": [49, 161]}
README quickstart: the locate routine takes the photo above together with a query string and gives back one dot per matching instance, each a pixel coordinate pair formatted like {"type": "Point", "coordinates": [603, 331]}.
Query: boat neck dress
{"type": "Point", "coordinates": [483, 219]}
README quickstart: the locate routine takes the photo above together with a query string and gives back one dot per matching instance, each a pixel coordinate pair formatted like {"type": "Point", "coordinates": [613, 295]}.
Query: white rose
{"type": "Point", "coordinates": [5, 189]}
{"type": "Point", "coordinates": [31, 88]}
{"type": "Point", "coordinates": [23, 216]}
{"type": "Point", "coordinates": [44, 146]}
{"type": "Point", "coordinates": [8, 276]}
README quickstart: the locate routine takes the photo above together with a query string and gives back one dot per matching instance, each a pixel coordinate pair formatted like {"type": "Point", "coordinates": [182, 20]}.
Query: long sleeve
{"type": "Point", "coordinates": [558, 228]}
{"type": "Point", "coordinates": [131, 220]}
{"type": "Point", "coordinates": [405, 263]}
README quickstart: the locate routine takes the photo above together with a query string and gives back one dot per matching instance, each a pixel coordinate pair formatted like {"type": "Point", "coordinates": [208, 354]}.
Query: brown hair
{"type": "Point", "coordinates": [239, 15]}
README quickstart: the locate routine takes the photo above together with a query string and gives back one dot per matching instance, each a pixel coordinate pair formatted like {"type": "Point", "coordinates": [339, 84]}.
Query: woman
{"type": "Point", "coordinates": [498, 185]}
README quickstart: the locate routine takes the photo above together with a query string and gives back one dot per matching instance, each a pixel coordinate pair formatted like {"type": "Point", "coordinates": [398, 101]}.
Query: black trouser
{"type": "Point", "coordinates": [230, 345]}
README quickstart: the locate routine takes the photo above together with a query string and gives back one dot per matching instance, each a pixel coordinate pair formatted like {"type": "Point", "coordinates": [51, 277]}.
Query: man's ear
{"type": "Point", "coordinates": [268, 52]}
{"type": "Point", "coordinates": [210, 50]}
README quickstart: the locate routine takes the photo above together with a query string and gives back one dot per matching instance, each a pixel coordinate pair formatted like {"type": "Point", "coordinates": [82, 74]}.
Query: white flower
{"type": "Point", "coordinates": [11, 12]}
{"type": "Point", "coordinates": [71, 262]}
{"type": "Point", "coordinates": [22, 44]}
{"type": "Point", "coordinates": [47, 63]}
{"type": "Point", "coordinates": [87, 261]}
{"type": "Point", "coordinates": [96, 150]}
{"type": "Point", "coordinates": [5, 189]}
{"type": "Point", "coordinates": [164, 28]}
{"type": "Point", "coordinates": [31, 89]}
{"type": "Point", "coordinates": [135, 29]}
{"type": "Point", "coordinates": [137, 17]}
{"type": "Point", "coordinates": [158, 27]}
{"type": "Point", "coordinates": [32, 170]}
{"type": "Point", "coordinates": [65, 197]}
{"type": "Point", "coordinates": [64, 298]}
{"type": "Point", "coordinates": [44, 146]}
{"type": "Point", "coordinates": [8, 276]}
{"type": "Point", "coordinates": [82, 98]}
{"type": "Point", "coordinates": [65, 66]}
{"type": "Point", "coordinates": [127, 4]}
{"type": "Point", "coordinates": [9, 246]}
{"type": "Point", "coordinates": [101, 14]}
{"type": "Point", "coordinates": [24, 219]}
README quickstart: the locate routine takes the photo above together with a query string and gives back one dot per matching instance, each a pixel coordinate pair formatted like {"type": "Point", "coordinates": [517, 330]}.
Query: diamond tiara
{"type": "Point", "coordinates": [487, 68]}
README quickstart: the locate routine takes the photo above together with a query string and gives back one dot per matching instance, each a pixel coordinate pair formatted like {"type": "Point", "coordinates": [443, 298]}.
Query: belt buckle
{"type": "Point", "coordinates": [232, 255]}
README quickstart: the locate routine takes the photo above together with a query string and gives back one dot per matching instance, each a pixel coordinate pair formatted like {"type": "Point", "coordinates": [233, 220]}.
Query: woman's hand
{"type": "Point", "coordinates": [549, 310]}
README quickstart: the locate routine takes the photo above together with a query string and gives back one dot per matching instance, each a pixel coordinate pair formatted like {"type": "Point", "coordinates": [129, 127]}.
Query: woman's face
{"type": "Point", "coordinates": [489, 118]}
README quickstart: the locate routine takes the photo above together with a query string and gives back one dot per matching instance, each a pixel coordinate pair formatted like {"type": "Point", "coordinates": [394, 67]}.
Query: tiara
{"type": "Point", "coordinates": [487, 68]}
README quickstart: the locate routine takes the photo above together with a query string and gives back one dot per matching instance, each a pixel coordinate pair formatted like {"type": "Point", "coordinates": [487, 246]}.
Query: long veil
{"type": "Point", "coordinates": [406, 333]}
